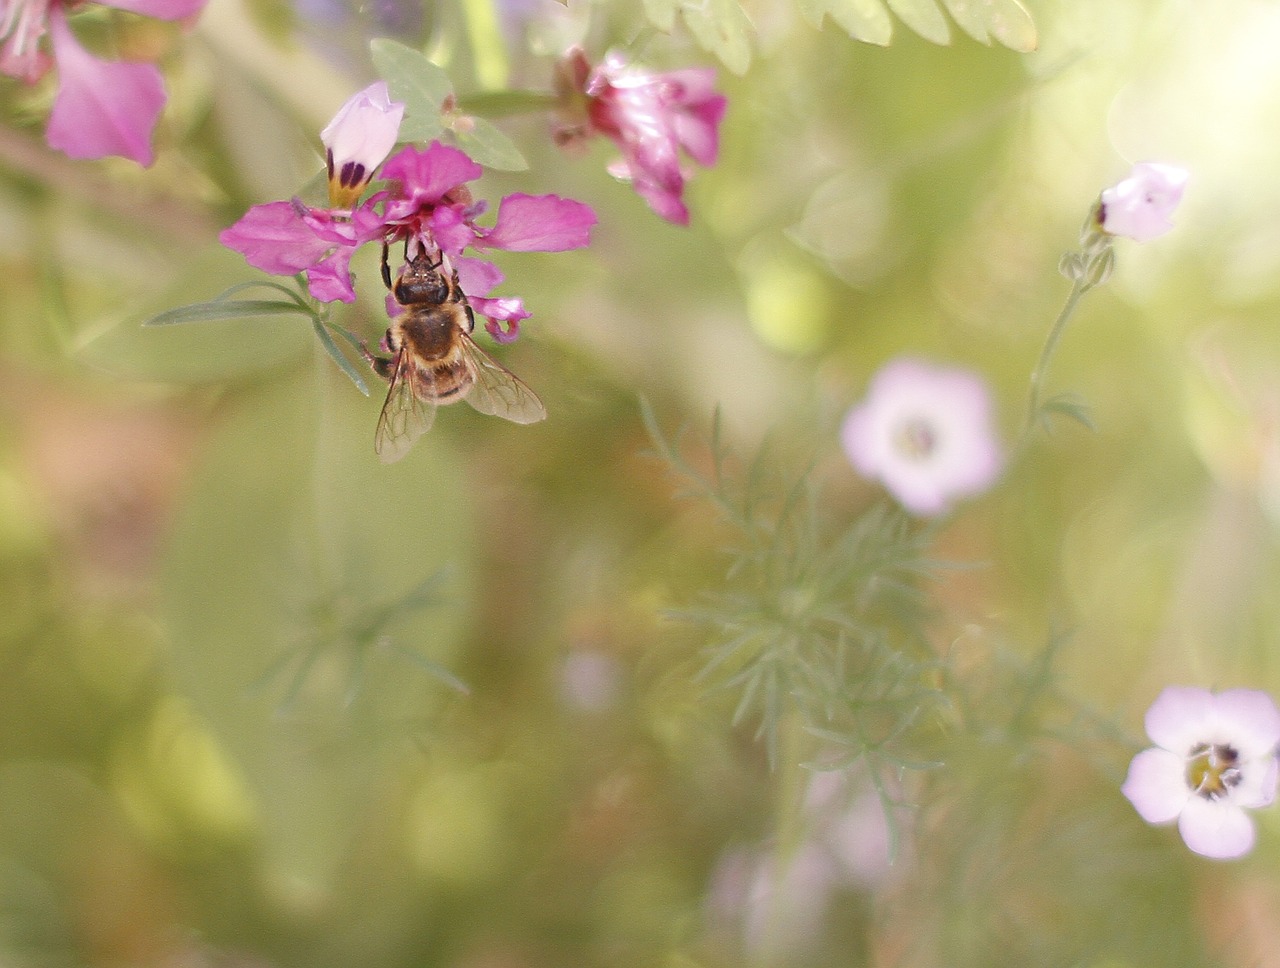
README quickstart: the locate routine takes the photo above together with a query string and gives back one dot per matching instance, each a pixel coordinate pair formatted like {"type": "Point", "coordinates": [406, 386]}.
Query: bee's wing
{"type": "Point", "coordinates": [405, 416]}
{"type": "Point", "coordinates": [499, 392]}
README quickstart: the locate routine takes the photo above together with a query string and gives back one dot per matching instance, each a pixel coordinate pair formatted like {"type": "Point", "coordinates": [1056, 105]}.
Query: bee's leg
{"type": "Point", "coordinates": [381, 365]}
{"type": "Point", "coordinates": [386, 269]}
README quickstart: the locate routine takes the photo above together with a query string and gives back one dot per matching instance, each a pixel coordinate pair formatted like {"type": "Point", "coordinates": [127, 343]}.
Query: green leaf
{"type": "Point", "coordinates": [924, 17]}
{"type": "Point", "coordinates": [723, 28]}
{"type": "Point", "coordinates": [487, 145]}
{"type": "Point", "coordinates": [223, 309]}
{"type": "Point", "coordinates": [662, 13]}
{"type": "Point", "coordinates": [344, 364]}
{"type": "Point", "coordinates": [1007, 21]}
{"type": "Point", "coordinates": [414, 80]}
{"type": "Point", "coordinates": [865, 20]}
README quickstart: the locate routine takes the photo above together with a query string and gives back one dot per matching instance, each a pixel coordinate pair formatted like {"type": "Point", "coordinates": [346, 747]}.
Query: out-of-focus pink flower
{"type": "Point", "coordinates": [358, 140]}
{"type": "Point", "coordinates": [102, 107]}
{"type": "Point", "coordinates": [650, 117]}
{"type": "Point", "coordinates": [427, 204]}
{"type": "Point", "coordinates": [926, 433]}
{"type": "Point", "coordinates": [1140, 207]}
{"type": "Point", "coordinates": [1215, 757]}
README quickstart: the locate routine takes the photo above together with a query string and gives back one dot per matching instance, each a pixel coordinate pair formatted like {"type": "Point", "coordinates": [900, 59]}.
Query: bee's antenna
{"type": "Point", "coordinates": [386, 269]}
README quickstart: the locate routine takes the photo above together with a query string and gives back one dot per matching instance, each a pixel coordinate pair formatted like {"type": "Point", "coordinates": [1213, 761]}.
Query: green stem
{"type": "Point", "coordinates": [789, 834]}
{"type": "Point", "coordinates": [503, 104]}
{"type": "Point", "coordinates": [1078, 289]}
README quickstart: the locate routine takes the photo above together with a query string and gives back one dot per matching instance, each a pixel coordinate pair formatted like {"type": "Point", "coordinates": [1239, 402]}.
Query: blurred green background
{"type": "Point", "coordinates": [232, 642]}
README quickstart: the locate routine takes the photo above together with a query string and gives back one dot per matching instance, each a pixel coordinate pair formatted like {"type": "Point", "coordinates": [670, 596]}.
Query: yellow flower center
{"type": "Point", "coordinates": [1213, 770]}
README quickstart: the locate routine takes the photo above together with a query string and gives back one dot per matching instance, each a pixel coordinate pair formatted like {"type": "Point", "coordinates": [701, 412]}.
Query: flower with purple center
{"type": "Point", "coordinates": [926, 434]}
{"type": "Point", "coordinates": [1140, 207]}
{"type": "Point", "coordinates": [651, 117]}
{"type": "Point", "coordinates": [1215, 757]}
{"type": "Point", "coordinates": [428, 207]}
{"type": "Point", "coordinates": [102, 107]}
{"type": "Point", "coordinates": [358, 140]}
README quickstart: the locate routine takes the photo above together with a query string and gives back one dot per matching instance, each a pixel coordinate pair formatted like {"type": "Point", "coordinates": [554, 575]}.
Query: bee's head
{"type": "Point", "coordinates": [421, 281]}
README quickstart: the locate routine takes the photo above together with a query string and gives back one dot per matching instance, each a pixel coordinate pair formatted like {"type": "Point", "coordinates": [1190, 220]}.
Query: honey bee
{"type": "Point", "coordinates": [434, 359]}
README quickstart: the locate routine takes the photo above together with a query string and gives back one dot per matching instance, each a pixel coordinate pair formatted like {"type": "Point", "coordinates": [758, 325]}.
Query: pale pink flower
{"type": "Point", "coordinates": [1215, 757]}
{"type": "Point", "coordinates": [102, 107]}
{"type": "Point", "coordinates": [1140, 207]}
{"type": "Point", "coordinates": [358, 140]}
{"type": "Point", "coordinates": [926, 434]}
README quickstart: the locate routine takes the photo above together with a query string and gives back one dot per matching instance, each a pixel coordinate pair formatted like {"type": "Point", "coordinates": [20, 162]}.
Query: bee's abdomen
{"type": "Point", "coordinates": [448, 380]}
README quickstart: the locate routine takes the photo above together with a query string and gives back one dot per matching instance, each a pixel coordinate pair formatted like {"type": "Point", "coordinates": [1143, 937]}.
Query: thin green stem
{"type": "Point", "coordinates": [789, 834]}
{"type": "Point", "coordinates": [1078, 289]}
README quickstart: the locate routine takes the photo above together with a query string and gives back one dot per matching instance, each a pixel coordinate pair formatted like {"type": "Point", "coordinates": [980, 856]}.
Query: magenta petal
{"type": "Point", "coordinates": [450, 230]}
{"type": "Point", "coordinates": [498, 311]}
{"type": "Point", "coordinates": [102, 107]}
{"type": "Point", "coordinates": [476, 276]}
{"type": "Point", "coordinates": [276, 239]}
{"type": "Point", "coordinates": [540, 223]}
{"type": "Point", "coordinates": [698, 129]}
{"type": "Point", "coordinates": [426, 176]}
{"type": "Point", "coordinates": [665, 203]}
{"type": "Point", "coordinates": [330, 279]}
{"type": "Point", "coordinates": [161, 9]}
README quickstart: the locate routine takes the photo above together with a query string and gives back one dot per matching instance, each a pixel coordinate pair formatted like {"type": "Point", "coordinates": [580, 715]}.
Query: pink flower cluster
{"type": "Point", "coordinates": [652, 118]}
{"type": "Point", "coordinates": [102, 107]}
{"type": "Point", "coordinates": [427, 204]}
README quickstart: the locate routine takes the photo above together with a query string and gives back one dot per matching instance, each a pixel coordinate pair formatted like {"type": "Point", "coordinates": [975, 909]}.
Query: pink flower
{"type": "Point", "coordinates": [1140, 207]}
{"type": "Point", "coordinates": [358, 140]}
{"type": "Point", "coordinates": [650, 117]}
{"type": "Point", "coordinates": [102, 107]}
{"type": "Point", "coordinates": [926, 433]}
{"type": "Point", "coordinates": [1215, 756]}
{"type": "Point", "coordinates": [427, 204]}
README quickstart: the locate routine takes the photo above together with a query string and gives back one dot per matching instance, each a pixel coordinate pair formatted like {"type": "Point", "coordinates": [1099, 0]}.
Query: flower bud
{"type": "Point", "coordinates": [1139, 207]}
{"type": "Point", "coordinates": [357, 140]}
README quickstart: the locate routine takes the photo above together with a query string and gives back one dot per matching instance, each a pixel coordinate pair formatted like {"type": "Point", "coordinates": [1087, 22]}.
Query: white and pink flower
{"type": "Point", "coordinates": [1214, 758]}
{"type": "Point", "coordinates": [1141, 206]}
{"type": "Point", "coordinates": [358, 140]}
{"type": "Point", "coordinates": [925, 433]}
{"type": "Point", "coordinates": [102, 107]}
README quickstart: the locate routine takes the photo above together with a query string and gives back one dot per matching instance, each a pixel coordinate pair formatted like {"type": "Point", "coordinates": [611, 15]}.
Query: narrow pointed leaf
{"type": "Point", "coordinates": [223, 309]}
{"type": "Point", "coordinates": [924, 17]}
{"type": "Point", "coordinates": [344, 364]}
{"type": "Point", "coordinates": [1005, 21]}
{"type": "Point", "coordinates": [865, 20]}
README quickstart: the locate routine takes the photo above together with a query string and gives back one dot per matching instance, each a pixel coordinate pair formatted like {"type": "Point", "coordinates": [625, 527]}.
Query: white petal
{"type": "Point", "coordinates": [1181, 718]}
{"type": "Point", "coordinates": [1216, 828]}
{"type": "Point", "coordinates": [1157, 785]}
{"type": "Point", "coordinates": [1257, 786]}
{"type": "Point", "coordinates": [1248, 720]}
